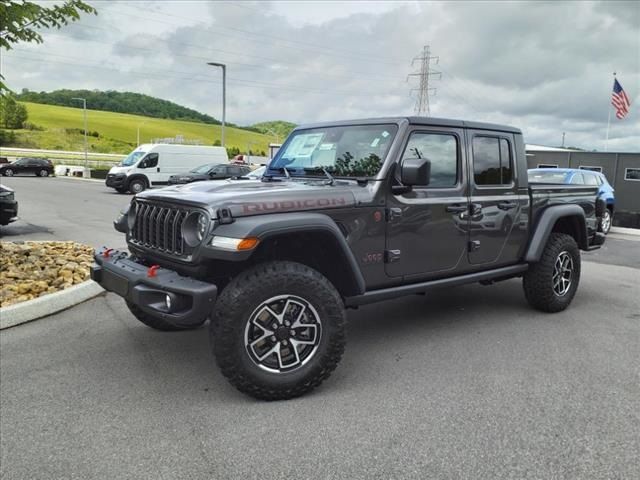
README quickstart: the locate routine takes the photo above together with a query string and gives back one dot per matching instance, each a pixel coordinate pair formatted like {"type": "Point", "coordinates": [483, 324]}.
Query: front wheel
{"type": "Point", "coordinates": [8, 172]}
{"type": "Point", "coordinates": [279, 330]}
{"type": "Point", "coordinates": [137, 186]}
{"type": "Point", "coordinates": [551, 283]}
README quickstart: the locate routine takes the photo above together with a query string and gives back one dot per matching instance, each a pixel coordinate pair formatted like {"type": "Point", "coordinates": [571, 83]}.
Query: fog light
{"type": "Point", "coordinates": [167, 301]}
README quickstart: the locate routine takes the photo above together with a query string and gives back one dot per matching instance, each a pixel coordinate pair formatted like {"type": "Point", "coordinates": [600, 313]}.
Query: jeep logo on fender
{"type": "Point", "coordinates": [288, 205]}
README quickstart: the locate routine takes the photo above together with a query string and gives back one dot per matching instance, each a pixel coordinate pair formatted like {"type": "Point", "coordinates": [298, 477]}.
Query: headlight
{"type": "Point", "coordinates": [203, 223]}
{"type": "Point", "coordinates": [131, 215]}
{"type": "Point", "coordinates": [195, 228]}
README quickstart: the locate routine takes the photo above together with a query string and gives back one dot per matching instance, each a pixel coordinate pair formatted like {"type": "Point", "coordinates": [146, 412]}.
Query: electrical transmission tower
{"type": "Point", "coordinates": [425, 72]}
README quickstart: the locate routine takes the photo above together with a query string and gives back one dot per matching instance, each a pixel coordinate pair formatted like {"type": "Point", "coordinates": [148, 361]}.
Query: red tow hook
{"type": "Point", "coordinates": [106, 253]}
{"type": "Point", "coordinates": [151, 272]}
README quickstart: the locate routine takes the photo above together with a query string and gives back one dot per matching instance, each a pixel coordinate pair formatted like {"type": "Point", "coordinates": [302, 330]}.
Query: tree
{"type": "Point", "coordinates": [20, 21]}
{"type": "Point", "coordinates": [12, 113]}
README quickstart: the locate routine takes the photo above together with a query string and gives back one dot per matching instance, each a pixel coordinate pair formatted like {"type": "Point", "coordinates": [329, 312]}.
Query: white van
{"type": "Point", "coordinates": [152, 164]}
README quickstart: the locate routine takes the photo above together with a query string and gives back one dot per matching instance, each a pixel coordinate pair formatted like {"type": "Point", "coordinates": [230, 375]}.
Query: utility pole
{"type": "Point", "coordinates": [563, 133]}
{"type": "Point", "coordinates": [425, 71]}
{"type": "Point", "coordinates": [84, 107]}
{"type": "Point", "coordinates": [224, 95]}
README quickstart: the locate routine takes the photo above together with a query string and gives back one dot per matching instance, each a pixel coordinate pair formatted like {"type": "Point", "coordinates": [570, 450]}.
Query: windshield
{"type": "Point", "coordinates": [204, 168]}
{"type": "Point", "coordinates": [133, 158]}
{"type": "Point", "coordinates": [547, 177]}
{"type": "Point", "coordinates": [351, 151]}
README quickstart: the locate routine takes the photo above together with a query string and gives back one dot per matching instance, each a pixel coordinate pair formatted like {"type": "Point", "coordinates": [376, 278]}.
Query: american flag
{"type": "Point", "coordinates": [619, 100]}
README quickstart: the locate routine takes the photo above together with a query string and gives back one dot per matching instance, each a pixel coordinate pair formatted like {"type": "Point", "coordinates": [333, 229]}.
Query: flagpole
{"type": "Point", "coordinates": [606, 141]}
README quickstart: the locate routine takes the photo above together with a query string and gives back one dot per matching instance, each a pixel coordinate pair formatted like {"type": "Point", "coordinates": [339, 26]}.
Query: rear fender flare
{"type": "Point", "coordinates": [545, 224]}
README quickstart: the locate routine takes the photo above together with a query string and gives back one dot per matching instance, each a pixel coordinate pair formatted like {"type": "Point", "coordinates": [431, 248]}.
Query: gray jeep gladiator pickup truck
{"type": "Point", "coordinates": [347, 213]}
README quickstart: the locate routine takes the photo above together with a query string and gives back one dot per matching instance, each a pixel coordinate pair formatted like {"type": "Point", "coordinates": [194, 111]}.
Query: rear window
{"type": "Point", "coordinates": [491, 161]}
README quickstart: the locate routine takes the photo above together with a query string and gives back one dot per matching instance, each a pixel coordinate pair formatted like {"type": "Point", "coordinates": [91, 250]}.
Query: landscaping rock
{"type": "Point", "coordinates": [32, 269]}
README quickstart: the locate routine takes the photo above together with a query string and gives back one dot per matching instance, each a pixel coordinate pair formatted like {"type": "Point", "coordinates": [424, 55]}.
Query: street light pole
{"type": "Point", "coordinates": [224, 95]}
{"type": "Point", "coordinates": [84, 107]}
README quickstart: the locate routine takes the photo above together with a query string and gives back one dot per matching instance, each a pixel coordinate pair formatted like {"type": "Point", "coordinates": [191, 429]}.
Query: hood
{"type": "Point", "coordinates": [191, 177]}
{"type": "Point", "coordinates": [248, 197]}
{"type": "Point", "coordinates": [119, 169]}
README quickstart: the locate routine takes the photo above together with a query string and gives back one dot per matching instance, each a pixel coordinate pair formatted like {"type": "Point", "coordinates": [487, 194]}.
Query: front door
{"type": "Point", "coordinates": [150, 166]}
{"type": "Point", "coordinates": [496, 226]}
{"type": "Point", "coordinates": [426, 226]}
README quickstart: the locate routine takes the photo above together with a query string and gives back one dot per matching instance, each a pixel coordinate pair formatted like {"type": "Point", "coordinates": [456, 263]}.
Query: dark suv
{"type": "Point", "coordinates": [346, 214]}
{"type": "Point", "coordinates": [210, 171]}
{"type": "Point", "coordinates": [41, 167]}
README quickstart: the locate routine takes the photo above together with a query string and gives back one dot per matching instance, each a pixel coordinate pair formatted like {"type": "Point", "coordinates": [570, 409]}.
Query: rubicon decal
{"type": "Point", "coordinates": [288, 205]}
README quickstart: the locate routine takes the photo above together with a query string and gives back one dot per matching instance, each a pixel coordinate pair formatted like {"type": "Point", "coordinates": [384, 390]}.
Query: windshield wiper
{"type": "Point", "coordinates": [323, 170]}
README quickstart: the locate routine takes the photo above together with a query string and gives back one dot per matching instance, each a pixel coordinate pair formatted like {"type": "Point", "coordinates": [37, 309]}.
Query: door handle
{"type": "Point", "coordinates": [457, 208]}
{"type": "Point", "coordinates": [507, 205]}
{"type": "Point", "coordinates": [158, 169]}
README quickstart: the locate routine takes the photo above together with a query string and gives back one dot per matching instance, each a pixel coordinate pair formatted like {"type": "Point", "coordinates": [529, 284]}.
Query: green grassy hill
{"type": "Point", "coordinates": [117, 131]}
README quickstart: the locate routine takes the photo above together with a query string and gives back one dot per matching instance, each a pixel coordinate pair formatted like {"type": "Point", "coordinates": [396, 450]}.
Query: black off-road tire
{"type": "Point", "coordinates": [155, 322]}
{"type": "Point", "coordinates": [241, 299]}
{"type": "Point", "coordinates": [538, 280]}
{"type": "Point", "coordinates": [133, 185]}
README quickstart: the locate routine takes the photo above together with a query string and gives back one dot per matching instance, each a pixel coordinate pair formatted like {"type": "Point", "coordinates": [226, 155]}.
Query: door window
{"type": "Point", "coordinates": [492, 161]}
{"type": "Point", "coordinates": [149, 161]}
{"type": "Point", "coordinates": [441, 150]}
{"type": "Point", "coordinates": [590, 179]}
{"type": "Point", "coordinates": [577, 179]}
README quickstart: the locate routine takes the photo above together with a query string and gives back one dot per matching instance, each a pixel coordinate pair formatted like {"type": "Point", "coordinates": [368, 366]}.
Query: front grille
{"type": "Point", "coordinates": [159, 227]}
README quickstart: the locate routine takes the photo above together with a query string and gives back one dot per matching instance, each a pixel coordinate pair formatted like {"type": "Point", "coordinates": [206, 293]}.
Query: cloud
{"type": "Point", "coordinates": [545, 67]}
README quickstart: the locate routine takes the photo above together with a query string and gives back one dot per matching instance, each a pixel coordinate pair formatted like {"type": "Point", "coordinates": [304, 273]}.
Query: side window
{"type": "Point", "coordinates": [492, 161]}
{"type": "Point", "coordinates": [577, 179]}
{"type": "Point", "coordinates": [442, 150]}
{"type": "Point", "coordinates": [590, 179]}
{"type": "Point", "coordinates": [150, 161]}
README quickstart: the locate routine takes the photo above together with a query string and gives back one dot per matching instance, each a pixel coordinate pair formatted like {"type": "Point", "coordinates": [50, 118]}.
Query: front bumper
{"type": "Point", "coordinates": [117, 180]}
{"type": "Point", "coordinates": [8, 211]}
{"type": "Point", "coordinates": [596, 241]}
{"type": "Point", "coordinates": [192, 301]}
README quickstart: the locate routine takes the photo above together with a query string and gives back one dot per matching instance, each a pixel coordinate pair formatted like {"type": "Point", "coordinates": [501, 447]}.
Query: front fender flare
{"type": "Point", "coordinates": [270, 225]}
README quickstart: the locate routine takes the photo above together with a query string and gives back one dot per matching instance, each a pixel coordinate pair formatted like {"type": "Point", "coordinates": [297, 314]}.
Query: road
{"type": "Point", "coordinates": [461, 383]}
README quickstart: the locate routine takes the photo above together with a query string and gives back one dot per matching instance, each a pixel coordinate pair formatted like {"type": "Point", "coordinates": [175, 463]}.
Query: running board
{"type": "Point", "coordinates": [394, 292]}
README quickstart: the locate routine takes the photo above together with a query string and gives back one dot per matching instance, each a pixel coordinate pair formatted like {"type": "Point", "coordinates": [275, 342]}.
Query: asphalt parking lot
{"type": "Point", "coordinates": [462, 383]}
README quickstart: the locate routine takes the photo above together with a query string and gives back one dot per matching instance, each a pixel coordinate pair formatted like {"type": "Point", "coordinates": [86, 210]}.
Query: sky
{"type": "Point", "coordinates": [545, 67]}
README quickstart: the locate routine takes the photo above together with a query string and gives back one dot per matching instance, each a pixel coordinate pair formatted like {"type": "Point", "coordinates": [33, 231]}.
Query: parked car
{"type": "Point", "coordinates": [41, 167]}
{"type": "Point", "coordinates": [4, 160]}
{"type": "Point", "coordinates": [153, 164]}
{"type": "Point", "coordinates": [574, 176]}
{"type": "Point", "coordinates": [8, 205]}
{"type": "Point", "coordinates": [210, 171]}
{"type": "Point", "coordinates": [256, 174]}
{"type": "Point", "coordinates": [348, 213]}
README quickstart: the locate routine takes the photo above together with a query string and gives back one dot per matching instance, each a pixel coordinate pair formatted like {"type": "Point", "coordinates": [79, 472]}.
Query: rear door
{"type": "Point", "coordinates": [495, 230]}
{"type": "Point", "coordinates": [427, 226]}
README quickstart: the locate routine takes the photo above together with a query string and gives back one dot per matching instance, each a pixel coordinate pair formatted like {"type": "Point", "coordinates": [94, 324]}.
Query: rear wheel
{"type": "Point", "coordinates": [157, 323]}
{"type": "Point", "coordinates": [43, 173]}
{"type": "Point", "coordinates": [551, 284]}
{"type": "Point", "coordinates": [605, 223]}
{"type": "Point", "coordinates": [279, 330]}
{"type": "Point", "coordinates": [136, 186]}
{"type": "Point", "coordinates": [8, 172]}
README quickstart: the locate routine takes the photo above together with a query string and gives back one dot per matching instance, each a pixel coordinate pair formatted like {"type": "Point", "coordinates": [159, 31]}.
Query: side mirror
{"type": "Point", "coordinates": [415, 171]}
{"type": "Point", "coordinates": [213, 174]}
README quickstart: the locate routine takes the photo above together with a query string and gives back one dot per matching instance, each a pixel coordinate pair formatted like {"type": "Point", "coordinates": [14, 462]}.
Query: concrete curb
{"type": "Point", "coordinates": [625, 231]}
{"type": "Point", "coordinates": [64, 177]}
{"type": "Point", "coordinates": [47, 305]}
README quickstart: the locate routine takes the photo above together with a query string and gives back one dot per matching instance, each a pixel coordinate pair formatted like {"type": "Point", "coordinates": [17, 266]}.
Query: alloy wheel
{"type": "Point", "coordinates": [562, 273]}
{"type": "Point", "coordinates": [44, 173]}
{"type": "Point", "coordinates": [8, 172]}
{"type": "Point", "coordinates": [283, 333]}
{"type": "Point", "coordinates": [606, 221]}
